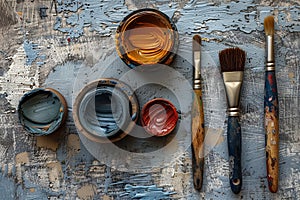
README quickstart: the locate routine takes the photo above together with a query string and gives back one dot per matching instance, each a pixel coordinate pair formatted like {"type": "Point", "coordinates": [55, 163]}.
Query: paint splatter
{"type": "Point", "coordinates": [94, 15]}
{"type": "Point", "coordinates": [31, 50]}
{"type": "Point", "coordinates": [145, 192]}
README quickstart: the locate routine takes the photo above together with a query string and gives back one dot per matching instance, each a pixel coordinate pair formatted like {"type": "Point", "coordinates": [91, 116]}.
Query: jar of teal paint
{"type": "Point", "coordinates": [42, 111]}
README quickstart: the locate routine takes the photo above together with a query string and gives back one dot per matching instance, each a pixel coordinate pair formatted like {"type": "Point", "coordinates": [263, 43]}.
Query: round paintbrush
{"type": "Point", "coordinates": [271, 109]}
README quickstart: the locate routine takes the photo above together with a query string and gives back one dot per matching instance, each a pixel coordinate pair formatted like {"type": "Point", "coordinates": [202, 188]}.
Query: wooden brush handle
{"type": "Point", "coordinates": [197, 139]}
{"type": "Point", "coordinates": [234, 138]}
{"type": "Point", "coordinates": [272, 130]}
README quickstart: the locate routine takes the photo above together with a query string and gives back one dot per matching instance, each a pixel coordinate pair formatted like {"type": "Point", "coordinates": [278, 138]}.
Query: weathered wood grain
{"type": "Point", "coordinates": [198, 134]}
{"type": "Point", "coordinates": [50, 51]}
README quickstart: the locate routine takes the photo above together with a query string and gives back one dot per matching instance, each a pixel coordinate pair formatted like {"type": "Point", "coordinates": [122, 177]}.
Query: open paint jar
{"type": "Point", "coordinates": [105, 110]}
{"type": "Point", "coordinates": [146, 37]}
{"type": "Point", "coordinates": [159, 117]}
{"type": "Point", "coordinates": [42, 111]}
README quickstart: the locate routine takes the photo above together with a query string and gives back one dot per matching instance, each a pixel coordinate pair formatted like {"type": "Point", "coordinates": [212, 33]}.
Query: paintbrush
{"type": "Point", "coordinates": [232, 61]}
{"type": "Point", "coordinates": [197, 117]}
{"type": "Point", "coordinates": [271, 109]}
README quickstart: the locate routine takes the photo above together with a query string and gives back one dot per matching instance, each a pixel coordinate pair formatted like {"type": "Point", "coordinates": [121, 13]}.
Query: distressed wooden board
{"type": "Point", "coordinates": [74, 44]}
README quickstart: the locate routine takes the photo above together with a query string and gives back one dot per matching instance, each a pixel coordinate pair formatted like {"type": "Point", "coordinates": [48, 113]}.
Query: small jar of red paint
{"type": "Point", "coordinates": [159, 117]}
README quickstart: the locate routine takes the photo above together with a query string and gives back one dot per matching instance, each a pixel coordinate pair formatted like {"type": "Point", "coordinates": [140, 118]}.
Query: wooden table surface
{"type": "Point", "coordinates": [66, 44]}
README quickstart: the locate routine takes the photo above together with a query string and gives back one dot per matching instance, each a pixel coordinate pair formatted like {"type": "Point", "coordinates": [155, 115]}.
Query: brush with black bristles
{"type": "Point", "coordinates": [198, 133]}
{"type": "Point", "coordinates": [232, 61]}
{"type": "Point", "coordinates": [271, 110]}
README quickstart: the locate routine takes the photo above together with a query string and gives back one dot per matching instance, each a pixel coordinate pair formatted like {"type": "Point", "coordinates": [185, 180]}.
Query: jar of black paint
{"type": "Point", "coordinates": [105, 110]}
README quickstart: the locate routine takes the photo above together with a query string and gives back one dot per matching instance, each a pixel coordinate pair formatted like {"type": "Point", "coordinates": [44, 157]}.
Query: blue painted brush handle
{"type": "Point", "coordinates": [272, 130]}
{"type": "Point", "coordinates": [234, 139]}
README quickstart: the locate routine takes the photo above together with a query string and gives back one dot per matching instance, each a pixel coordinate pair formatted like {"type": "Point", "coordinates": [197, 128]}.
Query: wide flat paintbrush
{"type": "Point", "coordinates": [197, 118]}
{"type": "Point", "coordinates": [232, 62]}
{"type": "Point", "coordinates": [271, 109]}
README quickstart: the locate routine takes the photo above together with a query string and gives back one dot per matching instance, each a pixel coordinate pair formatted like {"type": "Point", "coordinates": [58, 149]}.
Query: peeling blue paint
{"type": "Point", "coordinates": [69, 5]}
{"type": "Point", "coordinates": [284, 23]}
{"type": "Point", "coordinates": [145, 192]}
{"type": "Point", "coordinates": [43, 57]}
{"type": "Point", "coordinates": [136, 179]}
{"type": "Point", "coordinates": [241, 15]}
{"type": "Point", "coordinates": [57, 24]}
{"type": "Point", "coordinates": [31, 51]}
{"type": "Point", "coordinates": [97, 15]}
{"type": "Point", "coordinates": [196, 16]}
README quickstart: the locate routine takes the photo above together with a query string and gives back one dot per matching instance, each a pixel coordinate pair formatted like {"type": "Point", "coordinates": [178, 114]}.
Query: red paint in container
{"type": "Point", "coordinates": [159, 117]}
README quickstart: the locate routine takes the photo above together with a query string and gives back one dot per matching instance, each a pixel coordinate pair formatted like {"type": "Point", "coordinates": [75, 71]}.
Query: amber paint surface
{"type": "Point", "coordinates": [159, 117]}
{"type": "Point", "coordinates": [146, 37]}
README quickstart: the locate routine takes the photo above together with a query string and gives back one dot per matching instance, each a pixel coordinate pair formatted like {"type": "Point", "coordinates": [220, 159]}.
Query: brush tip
{"type": "Point", "coordinates": [232, 59]}
{"type": "Point", "coordinates": [269, 25]}
{"type": "Point", "coordinates": [196, 43]}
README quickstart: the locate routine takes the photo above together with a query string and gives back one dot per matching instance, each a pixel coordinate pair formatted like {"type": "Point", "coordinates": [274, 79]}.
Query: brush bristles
{"type": "Point", "coordinates": [269, 25]}
{"type": "Point", "coordinates": [232, 59]}
{"type": "Point", "coordinates": [196, 43]}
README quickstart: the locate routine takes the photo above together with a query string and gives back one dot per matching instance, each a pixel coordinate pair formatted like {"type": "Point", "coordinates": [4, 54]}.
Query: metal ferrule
{"type": "Point", "coordinates": [233, 112]}
{"type": "Point", "coordinates": [197, 72]}
{"type": "Point", "coordinates": [270, 53]}
{"type": "Point", "coordinates": [233, 84]}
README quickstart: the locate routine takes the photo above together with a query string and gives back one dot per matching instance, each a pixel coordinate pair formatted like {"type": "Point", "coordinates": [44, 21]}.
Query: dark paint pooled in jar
{"type": "Point", "coordinates": [105, 109]}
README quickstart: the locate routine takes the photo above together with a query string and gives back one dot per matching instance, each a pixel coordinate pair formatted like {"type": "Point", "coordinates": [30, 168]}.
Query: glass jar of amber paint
{"type": "Point", "coordinates": [147, 37]}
